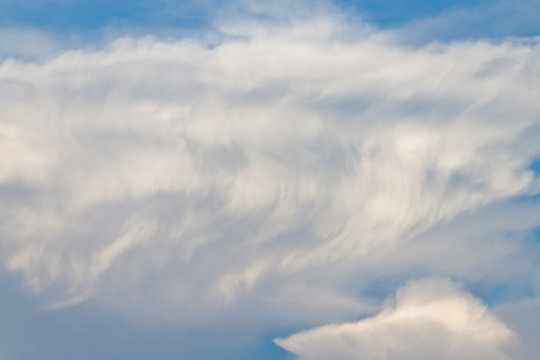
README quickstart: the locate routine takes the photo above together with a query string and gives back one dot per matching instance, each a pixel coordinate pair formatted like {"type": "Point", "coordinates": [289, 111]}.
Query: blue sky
{"type": "Point", "coordinates": [454, 19]}
{"type": "Point", "coordinates": [249, 180]}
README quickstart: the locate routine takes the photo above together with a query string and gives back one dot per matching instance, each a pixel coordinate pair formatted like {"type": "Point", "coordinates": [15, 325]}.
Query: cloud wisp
{"type": "Point", "coordinates": [195, 180]}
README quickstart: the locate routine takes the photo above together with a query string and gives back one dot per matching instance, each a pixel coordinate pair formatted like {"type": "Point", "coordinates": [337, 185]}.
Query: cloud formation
{"type": "Point", "coordinates": [256, 174]}
{"type": "Point", "coordinates": [430, 319]}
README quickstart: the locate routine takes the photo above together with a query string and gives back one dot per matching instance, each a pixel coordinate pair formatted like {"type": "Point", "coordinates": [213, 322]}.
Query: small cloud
{"type": "Point", "coordinates": [431, 318]}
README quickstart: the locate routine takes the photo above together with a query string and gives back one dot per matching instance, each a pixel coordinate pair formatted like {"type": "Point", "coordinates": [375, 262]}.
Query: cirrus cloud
{"type": "Point", "coordinates": [257, 173]}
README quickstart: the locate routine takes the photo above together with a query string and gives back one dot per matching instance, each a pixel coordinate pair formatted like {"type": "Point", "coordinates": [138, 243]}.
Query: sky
{"type": "Point", "coordinates": [269, 180]}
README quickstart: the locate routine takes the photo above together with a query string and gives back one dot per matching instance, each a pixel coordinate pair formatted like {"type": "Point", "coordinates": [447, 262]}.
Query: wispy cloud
{"type": "Point", "coordinates": [267, 175]}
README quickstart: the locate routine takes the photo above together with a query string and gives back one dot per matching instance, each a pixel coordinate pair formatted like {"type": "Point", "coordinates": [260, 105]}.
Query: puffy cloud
{"type": "Point", "coordinates": [430, 319]}
{"type": "Point", "coordinates": [258, 173]}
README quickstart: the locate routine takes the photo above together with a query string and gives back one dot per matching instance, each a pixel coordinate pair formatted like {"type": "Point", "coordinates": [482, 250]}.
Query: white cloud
{"type": "Point", "coordinates": [193, 179]}
{"type": "Point", "coordinates": [430, 319]}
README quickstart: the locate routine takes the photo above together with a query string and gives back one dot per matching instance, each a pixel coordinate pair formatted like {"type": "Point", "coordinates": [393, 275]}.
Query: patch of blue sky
{"type": "Point", "coordinates": [499, 294]}
{"type": "Point", "coordinates": [536, 234]}
{"type": "Point", "coordinates": [386, 13]}
{"type": "Point", "coordinates": [422, 19]}
{"type": "Point", "coordinates": [535, 167]}
{"type": "Point", "coordinates": [80, 15]}
{"type": "Point", "coordinates": [533, 196]}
